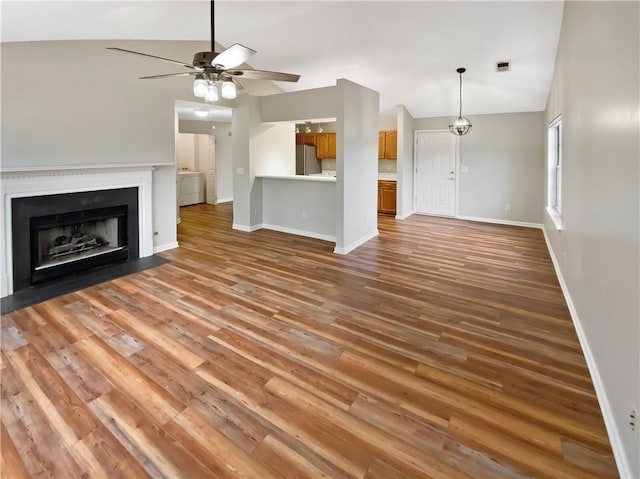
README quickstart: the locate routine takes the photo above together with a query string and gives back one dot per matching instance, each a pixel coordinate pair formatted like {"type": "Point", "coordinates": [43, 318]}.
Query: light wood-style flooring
{"type": "Point", "coordinates": [440, 349]}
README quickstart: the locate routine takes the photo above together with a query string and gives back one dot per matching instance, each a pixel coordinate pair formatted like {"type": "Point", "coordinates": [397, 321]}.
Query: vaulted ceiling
{"type": "Point", "coordinates": [407, 51]}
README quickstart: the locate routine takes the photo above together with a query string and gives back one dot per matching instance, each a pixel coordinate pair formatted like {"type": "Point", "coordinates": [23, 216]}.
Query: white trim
{"type": "Point", "coordinates": [624, 467]}
{"type": "Point", "coordinates": [165, 247]}
{"type": "Point", "coordinates": [106, 166]}
{"type": "Point", "coordinates": [293, 231]}
{"type": "Point", "coordinates": [555, 218]}
{"type": "Point", "coordinates": [501, 222]}
{"type": "Point", "coordinates": [26, 182]}
{"type": "Point", "coordinates": [353, 245]}
{"type": "Point", "coordinates": [406, 215]}
{"type": "Point", "coordinates": [246, 229]}
{"type": "Point", "coordinates": [223, 200]}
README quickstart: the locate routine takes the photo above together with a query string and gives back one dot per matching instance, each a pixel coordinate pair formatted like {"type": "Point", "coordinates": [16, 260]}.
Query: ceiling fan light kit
{"type": "Point", "coordinates": [200, 86]}
{"type": "Point", "coordinates": [212, 93]}
{"type": "Point", "coordinates": [228, 90]}
{"type": "Point", "coordinates": [212, 67]}
{"type": "Point", "coordinates": [460, 126]}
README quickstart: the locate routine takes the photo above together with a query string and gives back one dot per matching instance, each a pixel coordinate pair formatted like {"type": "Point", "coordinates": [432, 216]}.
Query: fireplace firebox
{"type": "Point", "coordinates": [57, 235]}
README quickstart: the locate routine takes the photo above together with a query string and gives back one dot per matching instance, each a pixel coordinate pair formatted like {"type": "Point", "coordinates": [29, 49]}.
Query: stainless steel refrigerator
{"type": "Point", "coordinates": [307, 161]}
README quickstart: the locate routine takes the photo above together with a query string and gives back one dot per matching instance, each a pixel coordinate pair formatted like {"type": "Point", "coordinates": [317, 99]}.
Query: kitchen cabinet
{"type": "Point", "coordinates": [306, 139]}
{"type": "Point", "coordinates": [387, 197]}
{"type": "Point", "coordinates": [388, 145]}
{"type": "Point", "coordinates": [326, 145]}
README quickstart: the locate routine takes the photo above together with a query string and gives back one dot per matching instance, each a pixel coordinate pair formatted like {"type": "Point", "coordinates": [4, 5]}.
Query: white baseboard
{"type": "Point", "coordinates": [405, 216]}
{"type": "Point", "coordinates": [501, 222]}
{"type": "Point", "coordinates": [224, 200]}
{"type": "Point", "coordinates": [624, 468]}
{"type": "Point", "coordinates": [247, 229]}
{"type": "Point", "coordinates": [293, 231]}
{"type": "Point", "coordinates": [353, 245]}
{"type": "Point", "coordinates": [165, 247]}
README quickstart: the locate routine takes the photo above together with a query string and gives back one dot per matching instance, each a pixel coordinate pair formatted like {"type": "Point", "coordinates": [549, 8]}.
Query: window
{"type": "Point", "coordinates": [554, 181]}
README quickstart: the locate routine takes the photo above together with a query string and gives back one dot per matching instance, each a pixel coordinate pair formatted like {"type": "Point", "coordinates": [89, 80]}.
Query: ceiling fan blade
{"type": "Point", "coordinates": [237, 83]}
{"type": "Point", "coordinates": [233, 56]}
{"type": "Point", "coordinates": [152, 56]}
{"type": "Point", "coordinates": [168, 75]}
{"type": "Point", "coordinates": [263, 75]}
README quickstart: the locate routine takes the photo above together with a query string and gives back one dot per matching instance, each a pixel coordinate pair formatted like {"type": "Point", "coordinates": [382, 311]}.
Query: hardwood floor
{"type": "Point", "coordinates": [441, 349]}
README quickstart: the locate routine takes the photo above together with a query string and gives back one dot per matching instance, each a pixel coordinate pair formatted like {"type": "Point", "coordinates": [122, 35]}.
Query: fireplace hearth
{"type": "Point", "coordinates": [59, 235]}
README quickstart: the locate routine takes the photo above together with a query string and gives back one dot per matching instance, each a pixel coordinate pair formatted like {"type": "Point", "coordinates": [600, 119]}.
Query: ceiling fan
{"type": "Point", "coordinates": [211, 68]}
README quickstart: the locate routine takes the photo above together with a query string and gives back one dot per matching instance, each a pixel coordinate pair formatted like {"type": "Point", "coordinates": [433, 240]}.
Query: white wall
{"type": "Point", "coordinates": [404, 195]}
{"type": "Point", "coordinates": [300, 105]}
{"type": "Point", "coordinates": [356, 111]}
{"type": "Point", "coordinates": [74, 103]}
{"type": "Point", "coordinates": [504, 154]}
{"type": "Point", "coordinates": [273, 150]}
{"type": "Point", "coordinates": [595, 88]}
{"type": "Point", "coordinates": [300, 207]}
{"type": "Point", "coordinates": [356, 165]}
{"type": "Point", "coordinates": [246, 118]}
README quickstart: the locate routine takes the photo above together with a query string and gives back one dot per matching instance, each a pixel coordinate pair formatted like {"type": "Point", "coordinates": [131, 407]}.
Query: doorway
{"type": "Point", "coordinates": [435, 162]}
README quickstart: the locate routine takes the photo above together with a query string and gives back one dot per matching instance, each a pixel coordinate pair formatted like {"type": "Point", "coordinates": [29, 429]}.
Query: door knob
{"type": "Point", "coordinates": [451, 177]}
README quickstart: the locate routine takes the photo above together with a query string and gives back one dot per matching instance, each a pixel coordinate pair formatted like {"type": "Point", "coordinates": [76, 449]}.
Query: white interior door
{"type": "Point", "coordinates": [210, 173]}
{"type": "Point", "coordinates": [435, 173]}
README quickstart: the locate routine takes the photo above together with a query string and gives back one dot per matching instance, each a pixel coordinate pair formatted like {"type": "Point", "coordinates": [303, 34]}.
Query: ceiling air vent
{"type": "Point", "coordinates": [503, 66]}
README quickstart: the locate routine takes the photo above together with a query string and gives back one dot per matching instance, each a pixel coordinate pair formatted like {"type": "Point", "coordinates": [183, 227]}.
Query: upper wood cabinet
{"type": "Point", "coordinates": [382, 143]}
{"type": "Point", "coordinates": [306, 139]}
{"type": "Point", "coordinates": [388, 145]}
{"type": "Point", "coordinates": [326, 144]}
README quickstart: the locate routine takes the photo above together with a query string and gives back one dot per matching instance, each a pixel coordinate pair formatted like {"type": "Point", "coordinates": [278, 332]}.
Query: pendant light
{"type": "Point", "coordinates": [460, 126]}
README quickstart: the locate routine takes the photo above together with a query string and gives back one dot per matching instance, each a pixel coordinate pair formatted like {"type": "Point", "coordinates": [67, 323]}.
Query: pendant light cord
{"type": "Point", "coordinates": [460, 113]}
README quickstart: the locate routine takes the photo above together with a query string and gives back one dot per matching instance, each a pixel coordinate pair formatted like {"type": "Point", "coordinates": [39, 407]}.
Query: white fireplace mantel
{"type": "Point", "coordinates": [20, 183]}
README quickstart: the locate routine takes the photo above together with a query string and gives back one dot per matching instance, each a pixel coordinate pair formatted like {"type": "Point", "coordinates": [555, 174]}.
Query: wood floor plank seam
{"type": "Point", "coordinates": [439, 349]}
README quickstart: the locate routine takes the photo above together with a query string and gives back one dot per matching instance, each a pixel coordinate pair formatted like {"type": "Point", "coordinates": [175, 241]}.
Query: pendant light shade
{"type": "Point", "coordinates": [212, 92]}
{"type": "Point", "coordinates": [228, 89]}
{"type": "Point", "coordinates": [460, 126]}
{"type": "Point", "coordinates": [200, 86]}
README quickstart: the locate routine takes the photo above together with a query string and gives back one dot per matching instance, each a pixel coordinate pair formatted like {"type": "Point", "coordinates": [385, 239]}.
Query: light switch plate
{"type": "Point", "coordinates": [464, 169]}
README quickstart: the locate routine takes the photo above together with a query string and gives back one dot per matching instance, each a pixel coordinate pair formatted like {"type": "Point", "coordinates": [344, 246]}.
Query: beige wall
{"type": "Point", "coordinates": [504, 155]}
{"type": "Point", "coordinates": [74, 103]}
{"type": "Point", "coordinates": [596, 90]}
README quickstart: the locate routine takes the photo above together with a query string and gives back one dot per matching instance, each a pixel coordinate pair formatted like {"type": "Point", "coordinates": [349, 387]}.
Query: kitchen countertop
{"type": "Point", "coordinates": [328, 179]}
{"type": "Point", "coordinates": [388, 176]}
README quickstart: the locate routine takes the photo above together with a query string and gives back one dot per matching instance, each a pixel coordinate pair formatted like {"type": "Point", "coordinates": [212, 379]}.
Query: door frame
{"type": "Point", "coordinates": [456, 169]}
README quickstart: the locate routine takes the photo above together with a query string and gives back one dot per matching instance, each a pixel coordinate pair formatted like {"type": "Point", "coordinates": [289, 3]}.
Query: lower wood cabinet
{"type": "Point", "coordinates": [387, 197]}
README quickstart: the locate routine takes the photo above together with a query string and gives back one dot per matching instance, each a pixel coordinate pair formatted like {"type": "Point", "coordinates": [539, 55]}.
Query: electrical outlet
{"type": "Point", "coordinates": [507, 207]}
{"type": "Point", "coordinates": [633, 419]}
{"type": "Point", "coordinates": [304, 215]}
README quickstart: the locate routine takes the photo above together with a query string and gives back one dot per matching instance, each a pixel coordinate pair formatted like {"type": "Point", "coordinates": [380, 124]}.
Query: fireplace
{"type": "Point", "coordinates": [58, 235]}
